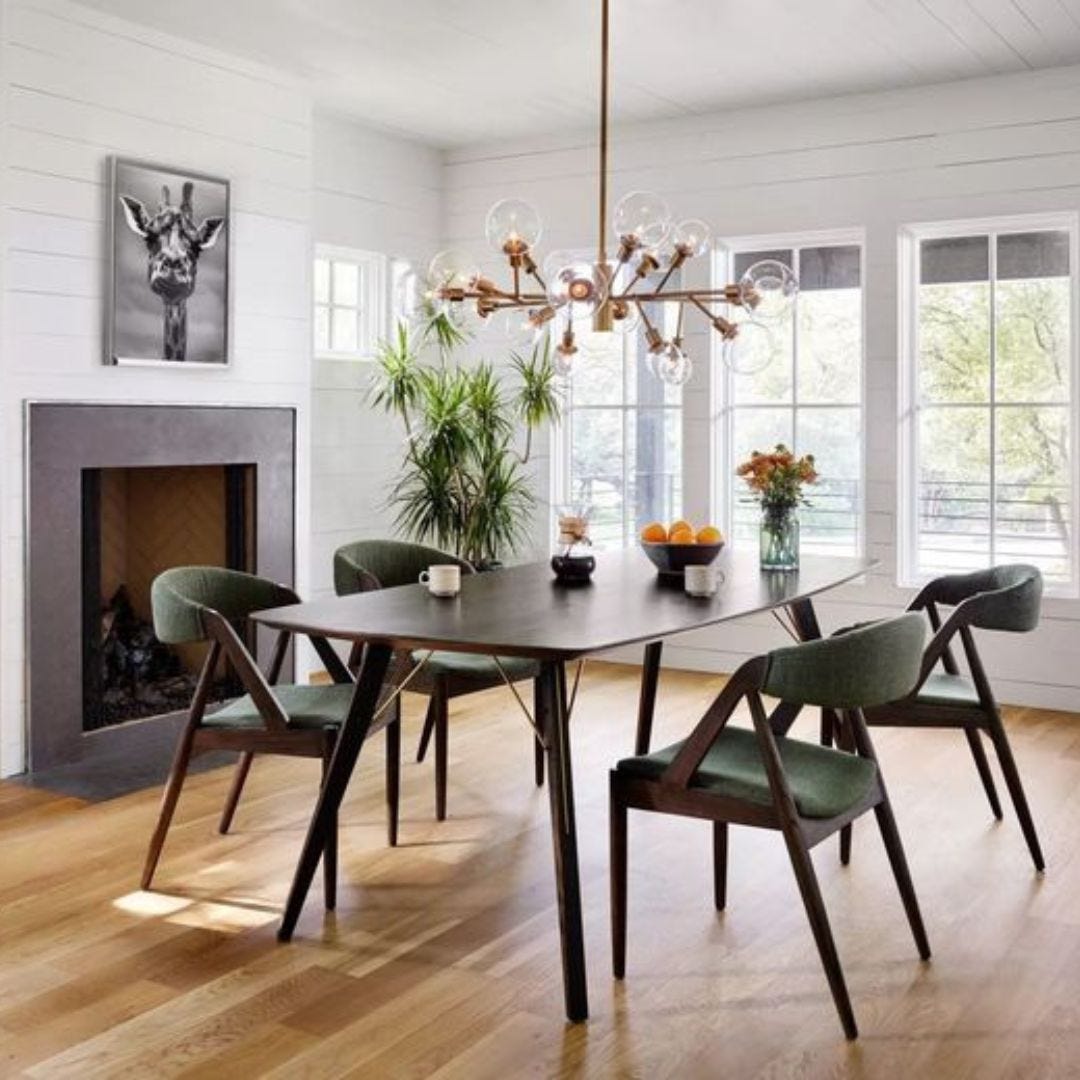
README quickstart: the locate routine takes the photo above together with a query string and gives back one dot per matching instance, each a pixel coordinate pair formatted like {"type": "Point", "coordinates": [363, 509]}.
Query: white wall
{"type": "Point", "coordinates": [1004, 145]}
{"type": "Point", "coordinates": [376, 192]}
{"type": "Point", "coordinates": [79, 86]}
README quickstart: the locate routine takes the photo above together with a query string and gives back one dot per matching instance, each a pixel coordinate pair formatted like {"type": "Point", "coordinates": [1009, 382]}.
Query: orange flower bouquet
{"type": "Point", "coordinates": [776, 480]}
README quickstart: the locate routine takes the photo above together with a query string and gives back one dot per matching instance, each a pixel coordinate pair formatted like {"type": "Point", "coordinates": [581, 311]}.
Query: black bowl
{"type": "Point", "coordinates": [675, 558]}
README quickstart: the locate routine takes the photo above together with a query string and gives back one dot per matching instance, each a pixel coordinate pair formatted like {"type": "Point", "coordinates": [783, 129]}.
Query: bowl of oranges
{"type": "Point", "coordinates": [672, 548]}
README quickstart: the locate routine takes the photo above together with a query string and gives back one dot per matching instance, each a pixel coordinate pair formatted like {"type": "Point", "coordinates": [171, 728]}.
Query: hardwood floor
{"type": "Point", "coordinates": [442, 958]}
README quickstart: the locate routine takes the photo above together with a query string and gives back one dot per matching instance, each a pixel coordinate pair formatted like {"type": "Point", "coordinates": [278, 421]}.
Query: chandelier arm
{"type": "Point", "coordinates": [535, 274]}
{"type": "Point", "coordinates": [677, 261]}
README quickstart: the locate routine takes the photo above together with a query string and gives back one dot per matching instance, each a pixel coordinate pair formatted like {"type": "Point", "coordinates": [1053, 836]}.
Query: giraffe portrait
{"type": "Point", "coordinates": [170, 266]}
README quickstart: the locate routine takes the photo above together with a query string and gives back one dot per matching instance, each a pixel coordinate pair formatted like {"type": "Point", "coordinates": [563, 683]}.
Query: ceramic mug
{"type": "Point", "coordinates": [700, 580]}
{"type": "Point", "coordinates": [442, 580]}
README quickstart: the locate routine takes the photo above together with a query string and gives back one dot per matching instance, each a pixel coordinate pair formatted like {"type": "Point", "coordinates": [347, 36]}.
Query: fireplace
{"type": "Point", "coordinates": [137, 522]}
{"type": "Point", "coordinates": [115, 495]}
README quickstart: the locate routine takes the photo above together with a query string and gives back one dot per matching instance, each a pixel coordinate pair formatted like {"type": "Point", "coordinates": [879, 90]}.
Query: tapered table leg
{"type": "Point", "coordinates": [350, 740]}
{"type": "Point", "coordinates": [650, 677]}
{"type": "Point", "coordinates": [553, 721]}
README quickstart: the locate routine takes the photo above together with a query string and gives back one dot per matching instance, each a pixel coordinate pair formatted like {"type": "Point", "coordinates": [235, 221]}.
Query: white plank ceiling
{"type": "Point", "coordinates": [457, 71]}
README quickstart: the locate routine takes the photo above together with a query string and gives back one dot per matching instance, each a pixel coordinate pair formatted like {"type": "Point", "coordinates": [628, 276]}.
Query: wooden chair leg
{"type": "Point", "coordinates": [429, 727]}
{"type": "Point", "coordinates": [538, 746]}
{"type": "Point", "coordinates": [169, 798]}
{"type": "Point", "coordinates": [819, 924]}
{"type": "Point", "coordinates": [617, 826]}
{"type": "Point", "coordinates": [839, 732]}
{"type": "Point", "coordinates": [442, 734]}
{"type": "Point", "coordinates": [1016, 789]}
{"type": "Point", "coordinates": [330, 851]}
{"type": "Point", "coordinates": [243, 766]}
{"type": "Point", "coordinates": [898, 861]}
{"type": "Point", "coordinates": [979, 754]}
{"type": "Point", "coordinates": [720, 853]}
{"type": "Point", "coordinates": [393, 775]}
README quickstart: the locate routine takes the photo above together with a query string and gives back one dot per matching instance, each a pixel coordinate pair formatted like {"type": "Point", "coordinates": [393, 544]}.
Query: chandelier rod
{"type": "Point", "coordinates": [605, 55]}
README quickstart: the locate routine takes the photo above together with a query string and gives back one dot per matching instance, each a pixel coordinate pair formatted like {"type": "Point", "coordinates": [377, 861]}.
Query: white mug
{"type": "Point", "coordinates": [700, 580]}
{"type": "Point", "coordinates": [442, 580]}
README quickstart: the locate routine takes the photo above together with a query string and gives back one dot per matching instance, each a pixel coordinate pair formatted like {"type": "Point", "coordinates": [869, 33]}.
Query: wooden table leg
{"type": "Point", "coordinates": [650, 677]}
{"type": "Point", "coordinates": [552, 698]}
{"type": "Point", "coordinates": [349, 742]}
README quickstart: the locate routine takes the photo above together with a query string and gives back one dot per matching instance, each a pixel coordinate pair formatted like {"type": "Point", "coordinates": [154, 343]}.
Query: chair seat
{"type": "Point", "coordinates": [306, 707]}
{"type": "Point", "coordinates": [941, 688]}
{"type": "Point", "coordinates": [824, 782]}
{"type": "Point", "coordinates": [473, 667]}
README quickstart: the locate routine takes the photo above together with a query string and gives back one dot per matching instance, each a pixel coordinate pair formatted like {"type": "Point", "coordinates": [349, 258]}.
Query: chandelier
{"type": "Point", "coordinates": [619, 294]}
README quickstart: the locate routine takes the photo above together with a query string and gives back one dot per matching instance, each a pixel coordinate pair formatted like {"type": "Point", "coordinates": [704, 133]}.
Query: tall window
{"type": "Point", "coordinates": [808, 397]}
{"type": "Point", "coordinates": [350, 302]}
{"type": "Point", "coordinates": [989, 418]}
{"type": "Point", "coordinates": [620, 439]}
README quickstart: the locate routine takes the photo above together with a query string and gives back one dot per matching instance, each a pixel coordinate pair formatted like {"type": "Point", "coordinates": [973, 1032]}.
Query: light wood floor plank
{"type": "Point", "coordinates": [442, 959]}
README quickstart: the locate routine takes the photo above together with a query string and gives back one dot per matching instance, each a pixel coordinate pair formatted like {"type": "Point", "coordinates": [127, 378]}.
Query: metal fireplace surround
{"type": "Point", "coordinates": [62, 440]}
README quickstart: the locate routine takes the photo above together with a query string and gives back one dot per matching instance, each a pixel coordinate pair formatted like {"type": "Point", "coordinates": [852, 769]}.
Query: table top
{"type": "Point", "coordinates": [524, 611]}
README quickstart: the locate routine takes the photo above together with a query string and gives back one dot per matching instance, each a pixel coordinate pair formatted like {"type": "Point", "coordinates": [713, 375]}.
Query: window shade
{"type": "Point", "coordinates": [1032, 255]}
{"type": "Point", "coordinates": [954, 259]}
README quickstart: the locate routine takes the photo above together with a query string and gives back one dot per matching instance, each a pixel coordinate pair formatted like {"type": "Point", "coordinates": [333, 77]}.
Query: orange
{"type": "Point", "coordinates": [654, 533]}
{"type": "Point", "coordinates": [681, 536]}
{"type": "Point", "coordinates": [709, 535]}
{"type": "Point", "coordinates": [680, 524]}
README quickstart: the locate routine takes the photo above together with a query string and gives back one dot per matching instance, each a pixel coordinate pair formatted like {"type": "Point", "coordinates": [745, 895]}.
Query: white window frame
{"type": "Point", "coordinates": [561, 431]}
{"type": "Point", "coordinates": [372, 309]}
{"type": "Point", "coordinates": [910, 237]}
{"type": "Point", "coordinates": [724, 487]}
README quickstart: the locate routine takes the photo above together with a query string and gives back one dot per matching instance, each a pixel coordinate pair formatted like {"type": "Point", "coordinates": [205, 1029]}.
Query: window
{"type": "Point", "coordinates": [989, 410]}
{"type": "Point", "coordinates": [620, 438]}
{"type": "Point", "coordinates": [809, 397]}
{"type": "Point", "coordinates": [349, 302]}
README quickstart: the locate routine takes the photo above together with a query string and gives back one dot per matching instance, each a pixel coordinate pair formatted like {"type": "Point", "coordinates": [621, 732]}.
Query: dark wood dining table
{"type": "Point", "coordinates": [523, 611]}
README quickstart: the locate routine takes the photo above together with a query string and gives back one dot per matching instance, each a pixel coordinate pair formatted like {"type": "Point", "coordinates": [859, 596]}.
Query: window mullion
{"type": "Point", "coordinates": [992, 243]}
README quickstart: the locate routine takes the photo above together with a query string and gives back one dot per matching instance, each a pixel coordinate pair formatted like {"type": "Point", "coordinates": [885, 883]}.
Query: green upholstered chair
{"type": "Point", "coordinates": [1005, 598]}
{"type": "Point", "coordinates": [206, 604]}
{"type": "Point", "coordinates": [386, 564]}
{"type": "Point", "coordinates": [765, 779]}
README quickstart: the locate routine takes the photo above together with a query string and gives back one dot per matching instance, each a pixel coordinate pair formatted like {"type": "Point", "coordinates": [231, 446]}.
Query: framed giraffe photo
{"type": "Point", "coordinates": [168, 297]}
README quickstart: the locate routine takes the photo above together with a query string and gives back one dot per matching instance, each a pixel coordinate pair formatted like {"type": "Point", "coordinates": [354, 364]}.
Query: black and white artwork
{"type": "Point", "coordinates": [169, 300]}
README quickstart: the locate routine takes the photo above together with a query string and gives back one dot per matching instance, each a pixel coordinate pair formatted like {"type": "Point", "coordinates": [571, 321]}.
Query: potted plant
{"type": "Point", "coordinates": [776, 480]}
{"type": "Point", "coordinates": [464, 486]}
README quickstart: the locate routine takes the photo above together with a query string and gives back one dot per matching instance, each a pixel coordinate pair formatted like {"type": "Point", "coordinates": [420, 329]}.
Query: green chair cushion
{"type": "Point", "coordinates": [473, 667]}
{"type": "Point", "coordinates": [306, 707]}
{"type": "Point", "coordinates": [941, 688]}
{"type": "Point", "coordinates": [824, 782]}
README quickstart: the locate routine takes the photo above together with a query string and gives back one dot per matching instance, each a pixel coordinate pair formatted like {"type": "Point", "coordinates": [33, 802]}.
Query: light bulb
{"type": "Point", "coordinates": [451, 270]}
{"type": "Point", "coordinates": [625, 318]}
{"type": "Point", "coordinates": [562, 361]}
{"type": "Point", "coordinates": [769, 289]}
{"type": "Point", "coordinates": [750, 350]}
{"type": "Point", "coordinates": [671, 365]}
{"type": "Point", "coordinates": [642, 218]}
{"type": "Point", "coordinates": [513, 226]}
{"type": "Point", "coordinates": [580, 285]}
{"type": "Point", "coordinates": [691, 237]}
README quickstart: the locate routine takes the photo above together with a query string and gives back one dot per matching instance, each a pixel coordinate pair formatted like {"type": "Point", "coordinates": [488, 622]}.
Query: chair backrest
{"type": "Point", "coordinates": [1005, 597]}
{"type": "Point", "coordinates": [870, 665]}
{"type": "Point", "coordinates": [179, 597]}
{"type": "Point", "coordinates": [388, 563]}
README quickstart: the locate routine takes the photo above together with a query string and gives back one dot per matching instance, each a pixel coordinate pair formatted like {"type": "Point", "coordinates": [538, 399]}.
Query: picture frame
{"type": "Point", "coordinates": [169, 283]}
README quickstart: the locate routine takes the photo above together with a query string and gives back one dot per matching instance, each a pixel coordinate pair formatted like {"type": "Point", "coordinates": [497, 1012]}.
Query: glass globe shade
{"type": "Point", "coordinates": [562, 360]}
{"type": "Point", "coordinates": [671, 365]}
{"type": "Point", "coordinates": [775, 286]}
{"type": "Point", "coordinates": [751, 349]}
{"type": "Point", "coordinates": [629, 322]}
{"type": "Point", "coordinates": [513, 226]}
{"type": "Point", "coordinates": [644, 217]}
{"type": "Point", "coordinates": [451, 270]}
{"type": "Point", "coordinates": [691, 237]}
{"type": "Point", "coordinates": [579, 285]}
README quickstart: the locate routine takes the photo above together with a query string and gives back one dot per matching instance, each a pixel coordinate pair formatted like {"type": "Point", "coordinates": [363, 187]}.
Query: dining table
{"type": "Point", "coordinates": [524, 611]}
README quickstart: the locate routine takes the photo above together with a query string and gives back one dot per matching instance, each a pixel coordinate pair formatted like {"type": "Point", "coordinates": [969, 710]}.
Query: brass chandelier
{"type": "Point", "coordinates": [618, 295]}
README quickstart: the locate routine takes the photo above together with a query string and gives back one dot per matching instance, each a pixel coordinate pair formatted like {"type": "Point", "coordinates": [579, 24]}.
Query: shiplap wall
{"type": "Point", "coordinates": [77, 87]}
{"type": "Point", "coordinates": [1002, 145]}
{"type": "Point", "coordinates": [376, 192]}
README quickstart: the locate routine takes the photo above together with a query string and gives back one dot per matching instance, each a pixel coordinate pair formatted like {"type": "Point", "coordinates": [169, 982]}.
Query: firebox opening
{"type": "Point", "coordinates": [138, 522]}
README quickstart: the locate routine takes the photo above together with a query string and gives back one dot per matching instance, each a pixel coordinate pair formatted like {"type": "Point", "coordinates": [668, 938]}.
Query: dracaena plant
{"type": "Point", "coordinates": [464, 485]}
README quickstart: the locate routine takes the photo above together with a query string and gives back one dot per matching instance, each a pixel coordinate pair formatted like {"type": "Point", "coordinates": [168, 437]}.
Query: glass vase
{"type": "Point", "coordinates": [779, 538]}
